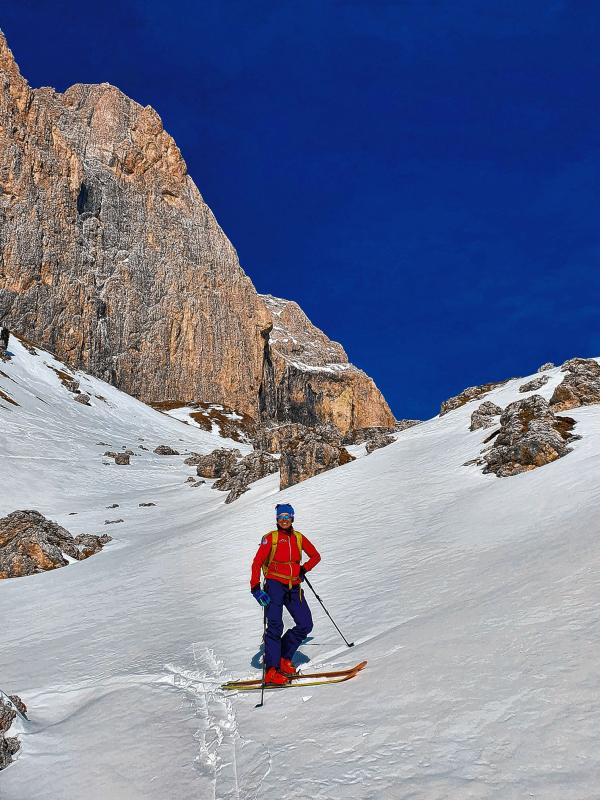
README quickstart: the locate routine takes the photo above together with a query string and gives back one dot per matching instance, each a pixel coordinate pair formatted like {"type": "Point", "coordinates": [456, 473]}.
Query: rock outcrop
{"type": "Point", "coordinates": [404, 424]}
{"type": "Point", "coordinates": [580, 387]}
{"type": "Point", "coordinates": [379, 441]}
{"type": "Point", "coordinates": [309, 454]}
{"type": "Point", "coordinates": [548, 365]}
{"type": "Point", "coordinates": [307, 377]}
{"type": "Point", "coordinates": [9, 745]}
{"type": "Point", "coordinates": [215, 464]}
{"type": "Point", "coordinates": [112, 260]}
{"type": "Point", "coordinates": [241, 474]}
{"type": "Point", "coordinates": [483, 417]}
{"type": "Point", "coordinates": [471, 393]}
{"type": "Point", "coordinates": [530, 436]}
{"type": "Point", "coordinates": [534, 384]}
{"type": "Point", "coordinates": [30, 543]}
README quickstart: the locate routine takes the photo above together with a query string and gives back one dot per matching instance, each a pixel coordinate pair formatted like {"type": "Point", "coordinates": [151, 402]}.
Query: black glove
{"type": "Point", "coordinates": [302, 573]}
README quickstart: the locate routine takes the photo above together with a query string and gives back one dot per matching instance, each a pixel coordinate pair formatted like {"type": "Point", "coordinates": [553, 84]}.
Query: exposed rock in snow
{"type": "Point", "coordinates": [403, 424]}
{"type": "Point", "coordinates": [165, 450]}
{"type": "Point", "coordinates": [378, 441]}
{"type": "Point", "coordinates": [211, 417]}
{"type": "Point", "coordinates": [535, 384]}
{"type": "Point", "coordinates": [217, 463]}
{"type": "Point", "coordinates": [4, 337]}
{"type": "Point", "coordinates": [84, 399]}
{"type": "Point", "coordinates": [274, 439]}
{"type": "Point", "coordinates": [310, 454]}
{"type": "Point", "coordinates": [360, 435]}
{"type": "Point", "coordinates": [240, 475]}
{"type": "Point", "coordinates": [30, 543]}
{"type": "Point", "coordinates": [546, 366]}
{"type": "Point", "coordinates": [122, 459]}
{"type": "Point", "coordinates": [483, 417]}
{"type": "Point", "coordinates": [471, 393]}
{"type": "Point", "coordinates": [580, 387]}
{"type": "Point", "coordinates": [9, 745]}
{"type": "Point", "coordinates": [530, 436]}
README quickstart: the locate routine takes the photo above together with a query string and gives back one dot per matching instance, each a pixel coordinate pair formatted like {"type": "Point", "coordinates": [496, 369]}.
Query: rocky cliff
{"type": "Point", "coordinates": [308, 378]}
{"type": "Point", "coordinates": [110, 258]}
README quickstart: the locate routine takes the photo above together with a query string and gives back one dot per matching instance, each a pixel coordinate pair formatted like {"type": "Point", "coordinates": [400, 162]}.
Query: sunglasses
{"type": "Point", "coordinates": [285, 518]}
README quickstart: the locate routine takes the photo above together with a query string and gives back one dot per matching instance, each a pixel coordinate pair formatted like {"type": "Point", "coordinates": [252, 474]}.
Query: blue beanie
{"type": "Point", "coordinates": [284, 508]}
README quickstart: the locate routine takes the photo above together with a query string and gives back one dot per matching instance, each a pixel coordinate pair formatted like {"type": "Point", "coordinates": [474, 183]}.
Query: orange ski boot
{"type": "Point", "coordinates": [286, 667]}
{"type": "Point", "coordinates": [275, 678]}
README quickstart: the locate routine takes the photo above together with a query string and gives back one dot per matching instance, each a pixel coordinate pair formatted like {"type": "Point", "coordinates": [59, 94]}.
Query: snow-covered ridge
{"type": "Point", "coordinates": [474, 599]}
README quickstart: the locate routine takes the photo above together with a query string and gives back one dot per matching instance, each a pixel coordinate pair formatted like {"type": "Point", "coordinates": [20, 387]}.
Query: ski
{"type": "Point", "coordinates": [314, 679]}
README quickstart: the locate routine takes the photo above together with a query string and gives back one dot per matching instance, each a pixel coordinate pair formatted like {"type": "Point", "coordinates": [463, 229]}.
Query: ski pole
{"type": "Point", "coordinates": [262, 691]}
{"type": "Point", "coordinates": [350, 644]}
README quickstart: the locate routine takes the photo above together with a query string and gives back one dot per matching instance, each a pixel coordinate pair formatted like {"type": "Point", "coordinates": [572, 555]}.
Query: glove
{"type": "Point", "coordinates": [262, 598]}
{"type": "Point", "coordinates": [302, 573]}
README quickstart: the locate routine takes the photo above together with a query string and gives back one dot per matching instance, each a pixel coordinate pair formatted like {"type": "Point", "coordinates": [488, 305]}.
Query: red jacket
{"type": "Point", "coordinates": [285, 566]}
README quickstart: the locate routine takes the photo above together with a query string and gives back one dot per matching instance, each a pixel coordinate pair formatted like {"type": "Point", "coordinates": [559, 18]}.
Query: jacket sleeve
{"type": "Point", "coordinates": [311, 551]}
{"type": "Point", "coordinates": [262, 554]}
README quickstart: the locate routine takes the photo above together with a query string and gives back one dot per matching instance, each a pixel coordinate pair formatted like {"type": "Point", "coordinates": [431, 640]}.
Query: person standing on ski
{"type": "Point", "coordinates": [279, 557]}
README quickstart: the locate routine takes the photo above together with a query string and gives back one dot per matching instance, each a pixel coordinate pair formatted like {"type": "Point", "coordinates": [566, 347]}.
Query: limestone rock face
{"type": "Point", "coordinates": [580, 387]}
{"type": "Point", "coordinates": [30, 543]}
{"type": "Point", "coordinates": [111, 259]}
{"type": "Point", "coordinates": [483, 417]}
{"type": "Point", "coordinates": [530, 436]}
{"type": "Point", "coordinates": [307, 378]}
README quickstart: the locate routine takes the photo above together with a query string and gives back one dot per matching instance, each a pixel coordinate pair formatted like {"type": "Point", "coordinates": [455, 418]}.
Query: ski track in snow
{"type": "Point", "coordinates": [219, 738]}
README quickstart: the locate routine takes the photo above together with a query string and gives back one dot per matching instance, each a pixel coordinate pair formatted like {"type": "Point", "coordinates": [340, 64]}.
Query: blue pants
{"type": "Point", "coordinates": [276, 645]}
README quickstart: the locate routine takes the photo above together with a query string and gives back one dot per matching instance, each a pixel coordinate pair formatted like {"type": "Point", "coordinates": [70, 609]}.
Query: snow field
{"type": "Point", "coordinates": [474, 599]}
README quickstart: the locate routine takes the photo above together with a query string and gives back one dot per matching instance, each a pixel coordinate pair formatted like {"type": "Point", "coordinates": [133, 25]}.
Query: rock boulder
{"type": "Point", "coordinates": [30, 543]}
{"type": "Point", "coordinates": [217, 463]}
{"type": "Point", "coordinates": [580, 386]}
{"type": "Point", "coordinates": [530, 436]}
{"type": "Point", "coordinates": [308, 455]}
{"type": "Point", "coordinates": [534, 384]}
{"type": "Point", "coordinates": [240, 475]}
{"type": "Point", "coordinates": [483, 417]}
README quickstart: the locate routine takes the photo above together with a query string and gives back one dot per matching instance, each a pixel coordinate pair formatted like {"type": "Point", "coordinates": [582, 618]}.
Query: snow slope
{"type": "Point", "coordinates": [475, 600]}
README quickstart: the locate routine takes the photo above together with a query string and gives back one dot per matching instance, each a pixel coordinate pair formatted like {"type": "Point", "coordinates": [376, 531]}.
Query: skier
{"type": "Point", "coordinates": [279, 556]}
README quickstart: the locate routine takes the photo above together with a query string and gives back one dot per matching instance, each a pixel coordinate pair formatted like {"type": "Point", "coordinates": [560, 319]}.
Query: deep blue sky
{"type": "Point", "coordinates": [422, 177]}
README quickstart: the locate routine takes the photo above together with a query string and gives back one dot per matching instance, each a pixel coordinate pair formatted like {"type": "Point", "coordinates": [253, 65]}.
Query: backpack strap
{"type": "Point", "coordinates": [274, 537]}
